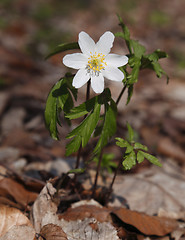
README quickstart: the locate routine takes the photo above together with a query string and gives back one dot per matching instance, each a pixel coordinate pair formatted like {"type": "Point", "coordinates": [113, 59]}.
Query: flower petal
{"type": "Point", "coordinates": [80, 78]}
{"type": "Point", "coordinates": [105, 43]}
{"type": "Point", "coordinates": [113, 74]}
{"type": "Point", "coordinates": [75, 60]}
{"type": "Point", "coordinates": [97, 83]}
{"type": "Point", "coordinates": [86, 43]}
{"type": "Point", "coordinates": [115, 60]}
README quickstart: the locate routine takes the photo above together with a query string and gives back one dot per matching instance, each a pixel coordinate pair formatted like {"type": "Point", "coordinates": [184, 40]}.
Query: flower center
{"type": "Point", "coordinates": [95, 64]}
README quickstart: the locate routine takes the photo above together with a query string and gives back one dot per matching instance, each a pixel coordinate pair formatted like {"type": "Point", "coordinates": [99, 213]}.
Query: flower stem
{"type": "Point", "coordinates": [80, 149]}
{"type": "Point", "coordinates": [97, 174]}
{"type": "Point", "coordinates": [121, 94]}
{"type": "Point", "coordinates": [113, 180]}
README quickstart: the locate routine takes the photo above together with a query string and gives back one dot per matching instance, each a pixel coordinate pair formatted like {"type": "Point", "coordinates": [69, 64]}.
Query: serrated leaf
{"type": "Point", "coordinates": [129, 161]}
{"type": "Point", "coordinates": [126, 34]}
{"type": "Point", "coordinates": [140, 146]}
{"type": "Point", "coordinates": [138, 49]}
{"type": "Point", "coordinates": [109, 126]}
{"type": "Point", "coordinates": [121, 142]}
{"type": "Point", "coordinates": [151, 158]}
{"type": "Point", "coordinates": [129, 148]}
{"type": "Point", "coordinates": [130, 92]}
{"type": "Point", "coordinates": [135, 63]}
{"type": "Point", "coordinates": [63, 47]}
{"type": "Point", "coordinates": [140, 157]}
{"type": "Point", "coordinates": [51, 112]}
{"type": "Point", "coordinates": [82, 109]}
{"type": "Point", "coordinates": [59, 99]}
{"type": "Point", "coordinates": [84, 130]}
{"type": "Point", "coordinates": [151, 61]}
{"type": "Point", "coordinates": [73, 146]}
{"type": "Point", "coordinates": [130, 133]}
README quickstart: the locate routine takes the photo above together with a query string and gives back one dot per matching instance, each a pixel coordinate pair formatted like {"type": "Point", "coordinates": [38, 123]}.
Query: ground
{"type": "Point", "coordinates": [28, 155]}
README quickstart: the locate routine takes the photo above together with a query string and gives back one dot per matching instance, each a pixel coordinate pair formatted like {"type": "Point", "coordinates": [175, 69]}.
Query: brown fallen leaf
{"type": "Point", "coordinates": [11, 217]}
{"type": "Point", "coordinates": [43, 204]}
{"type": "Point", "coordinates": [14, 190]}
{"type": "Point", "coordinates": [148, 225]}
{"type": "Point", "coordinates": [86, 211]}
{"type": "Point", "coordinates": [52, 232]}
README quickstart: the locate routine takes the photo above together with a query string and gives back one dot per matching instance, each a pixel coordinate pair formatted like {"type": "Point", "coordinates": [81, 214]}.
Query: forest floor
{"type": "Point", "coordinates": [148, 201]}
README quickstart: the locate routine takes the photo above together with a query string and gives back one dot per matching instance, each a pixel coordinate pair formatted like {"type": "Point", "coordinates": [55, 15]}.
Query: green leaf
{"type": "Point", "coordinates": [51, 113]}
{"type": "Point", "coordinates": [151, 61]}
{"type": "Point", "coordinates": [140, 157]}
{"type": "Point", "coordinates": [82, 109]}
{"type": "Point", "coordinates": [129, 161]}
{"type": "Point", "coordinates": [138, 49]}
{"type": "Point", "coordinates": [59, 99]}
{"type": "Point", "coordinates": [73, 146]}
{"type": "Point", "coordinates": [84, 130]}
{"type": "Point", "coordinates": [130, 92]}
{"type": "Point", "coordinates": [140, 146]}
{"type": "Point", "coordinates": [122, 143]}
{"type": "Point", "coordinates": [135, 64]}
{"type": "Point", "coordinates": [63, 47]}
{"type": "Point", "coordinates": [125, 35]}
{"type": "Point", "coordinates": [109, 125]}
{"type": "Point", "coordinates": [129, 149]}
{"type": "Point", "coordinates": [130, 133]}
{"type": "Point", "coordinates": [151, 158]}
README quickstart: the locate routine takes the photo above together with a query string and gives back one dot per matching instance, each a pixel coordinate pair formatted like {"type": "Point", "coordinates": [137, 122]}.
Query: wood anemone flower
{"type": "Point", "coordinates": [95, 62]}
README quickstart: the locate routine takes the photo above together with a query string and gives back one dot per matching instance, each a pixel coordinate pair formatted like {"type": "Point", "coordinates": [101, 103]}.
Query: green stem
{"type": "Point", "coordinates": [121, 94]}
{"type": "Point", "coordinates": [97, 174]}
{"type": "Point", "coordinates": [113, 180]}
{"type": "Point", "coordinates": [80, 149]}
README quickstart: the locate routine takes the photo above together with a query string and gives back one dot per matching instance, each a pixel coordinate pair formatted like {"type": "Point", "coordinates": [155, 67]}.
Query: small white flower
{"type": "Point", "coordinates": [95, 62]}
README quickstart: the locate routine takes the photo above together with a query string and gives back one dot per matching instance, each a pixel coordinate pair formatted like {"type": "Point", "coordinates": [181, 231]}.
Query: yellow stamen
{"type": "Point", "coordinates": [96, 63]}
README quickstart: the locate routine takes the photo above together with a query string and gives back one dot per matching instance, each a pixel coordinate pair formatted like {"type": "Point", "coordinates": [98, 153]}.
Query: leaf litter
{"type": "Point", "coordinates": [155, 112]}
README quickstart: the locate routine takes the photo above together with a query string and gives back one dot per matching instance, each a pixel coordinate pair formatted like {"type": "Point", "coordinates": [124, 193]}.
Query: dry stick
{"type": "Point", "coordinates": [80, 149]}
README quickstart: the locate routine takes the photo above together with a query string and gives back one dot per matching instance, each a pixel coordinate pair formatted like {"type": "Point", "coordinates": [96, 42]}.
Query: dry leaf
{"type": "Point", "coordinates": [152, 189]}
{"type": "Point", "coordinates": [11, 217]}
{"type": "Point", "coordinates": [14, 190]}
{"type": "Point", "coordinates": [148, 225]}
{"type": "Point", "coordinates": [52, 232]}
{"type": "Point", "coordinates": [19, 233]}
{"type": "Point", "coordinates": [42, 206]}
{"type": "Point", "coordinates": [86, 211]}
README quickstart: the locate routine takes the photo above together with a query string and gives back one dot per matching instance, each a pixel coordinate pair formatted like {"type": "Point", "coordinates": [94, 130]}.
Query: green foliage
{"type": "Point", "coordinates": [59, 99]}
{"type": "Point", "coordinates": [108, 127]}
{"type": "Point", "coordinates": [91, 110]}
{"type": "Point", "coordinates": [134, 151]}
{"type": "Point", "coordinates": [138, 59]}
{"type": "Point", "coordinates": [84, 131]}
{"type": "Point", "coordinates": [106, 162]}
{"type": "Point", "coordinates": [76, 171]}
{"type": "Point", "coordinates": [63, 47]}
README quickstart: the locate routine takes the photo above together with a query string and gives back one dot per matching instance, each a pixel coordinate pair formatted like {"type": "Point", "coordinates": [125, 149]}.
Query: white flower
{"type": "Point", "coordinates": [95, 62]}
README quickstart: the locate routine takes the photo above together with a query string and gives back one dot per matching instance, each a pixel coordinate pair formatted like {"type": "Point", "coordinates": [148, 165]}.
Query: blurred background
{"type": "Point", "coordinates": [29, 30]}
